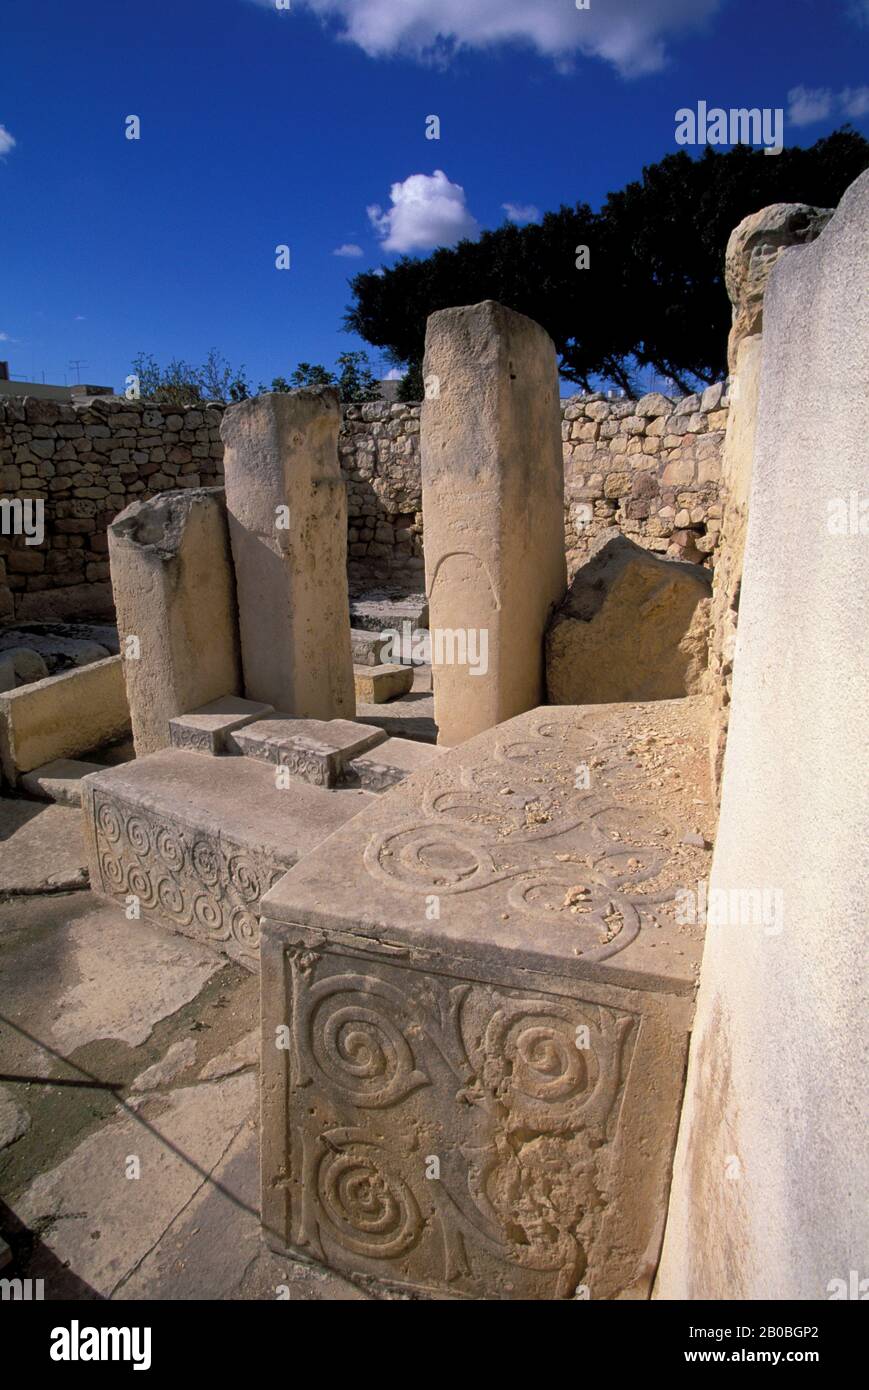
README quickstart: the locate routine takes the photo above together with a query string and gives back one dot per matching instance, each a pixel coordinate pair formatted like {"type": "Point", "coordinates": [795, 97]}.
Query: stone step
{"type": "Point", "coordinates": [194, 842]}
{"type": "Point", "coordinates": [389, 763]}
{"type": "Point", "coordinates": [58, 781]}
{"type": "Point", "coordinates": [205, 730]}
{"type": "Point", "coordinates": [314, 750]}
{"type": "Point", "coordinates": [377, 684]}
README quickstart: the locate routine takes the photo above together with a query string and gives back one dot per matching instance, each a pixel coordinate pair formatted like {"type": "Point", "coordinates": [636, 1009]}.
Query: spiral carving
{"type": "Point", "coordinates": [370, 1210]}
{"type": "Point", "coordinates": [538, 1052]}
{"type": "Point", "coordinates": [171, 850]}
{"type": "Point", "coordinates": [244, 878]}
{"type": "Point", "coordinates": [356, 1039]}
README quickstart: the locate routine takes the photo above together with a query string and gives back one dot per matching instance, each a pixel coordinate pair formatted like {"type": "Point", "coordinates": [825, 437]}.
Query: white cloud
{"type": "Point", "coordinates": [349, 248]}
{"type": "Point", "coordinates": [7, 141]}
{"type": "Point", "coordinates": [394, 374]}
{"type": "Point", "coordinates": [630, 35]}
{"type": "Point", "coordinates": [809, 104]}
{"type": "Point", "coordinates": [4, 338]}
{"type": "Point", "coordinates": [855, 100]}
{"type": "Point", "coordinates": [521, 212]}
{"type": "Point", "coordinates": [427, 211]}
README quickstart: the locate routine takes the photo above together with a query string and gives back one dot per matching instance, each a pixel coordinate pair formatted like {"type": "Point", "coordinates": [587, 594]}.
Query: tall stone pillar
{"type": "Point", "coordinates": [493, 509]}
{"type": "Point", "coordinates": [287, 508]}
{"type": "Point", "coordinates": [753, 248]}
{"type": "Point", "coordinates": [175, 599]}
{"type": "Point", "coordinates": [768, 1197]}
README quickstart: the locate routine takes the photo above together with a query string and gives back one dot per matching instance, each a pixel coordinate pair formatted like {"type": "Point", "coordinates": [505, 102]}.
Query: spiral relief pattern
{"type": "Point", "coordinates": [370, 1210]}
{"type": "Point", "coordinates": [539, 1045]}
{"type": "Point", "coordinates": [356, 1039]}
{"type": "Point", "coordinates": [195, 882]}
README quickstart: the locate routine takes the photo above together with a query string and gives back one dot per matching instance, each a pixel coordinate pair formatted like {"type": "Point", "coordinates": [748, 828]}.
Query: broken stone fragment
{"type": "Point", "coordinates": [631, 627]}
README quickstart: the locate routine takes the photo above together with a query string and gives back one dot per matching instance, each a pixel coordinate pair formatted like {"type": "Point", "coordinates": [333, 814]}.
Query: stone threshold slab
{"type": "Point", "coordinates": [314, 750]}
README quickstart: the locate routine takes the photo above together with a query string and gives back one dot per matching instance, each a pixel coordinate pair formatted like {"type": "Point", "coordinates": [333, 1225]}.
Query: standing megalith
{"type": "Point", "coordinates": [493, 508]}
{"type": "Point", "coordinates": [287, 507]}
{"type": "Point", "coordinates": [175, 599]}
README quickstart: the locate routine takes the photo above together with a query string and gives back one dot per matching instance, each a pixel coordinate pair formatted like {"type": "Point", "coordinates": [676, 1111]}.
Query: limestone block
{"type": "Point", "coordinates": [174, 592]}
{"type": "Point", "coordinates": [754, 246]}
{"type": "Point", "coordinates": [377, 684]}
{"type": "Point", "coordinates": [488, 1012]}
{"type": "Point", "coordinates": [62, 716]}
{"type": "Point", "coordinates": [631, 627]}
{"type": "Point", "coordinates": [389, 763]}
{"type": "Point", "coordinates": [287, 506]}
{"type": "Point", "coordinates": [493, 484]}
{"type": "Point", "coordinates": [777, 1069]}
{"type": "Point", "coordinates": [205, 730]}
{"type": "Point", "coordinates": [366, 647]}
{"type": "Point", "coordinates": [316, 750]}
{"type": "Point", "coordinates": [196, 841]}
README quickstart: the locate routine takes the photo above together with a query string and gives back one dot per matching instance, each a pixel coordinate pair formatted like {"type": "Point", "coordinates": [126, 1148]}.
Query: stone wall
{"type": "Point", "coordinates": [86, 462]}
{"type": "Point", "coordinates": [379, 452]}
{"type": "Point", "coordinates": [649, 468]}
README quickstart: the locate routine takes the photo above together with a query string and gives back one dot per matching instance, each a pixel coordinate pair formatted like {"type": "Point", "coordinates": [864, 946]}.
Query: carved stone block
{"type": "Point", "coordinates": [476, 1004]}
{"type": "Point", "coordinates": [192, 843]}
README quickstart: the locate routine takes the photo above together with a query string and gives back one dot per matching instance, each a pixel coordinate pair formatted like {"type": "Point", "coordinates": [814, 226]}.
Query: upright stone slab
{"type": "Point", "coordinates": [770, 1174]}
{"type": "Point", "coordinates": [287, 509]}
{"type": "Point", "coordinates": [486, 990]}
{"type": "Point", "coordinates": [492, 484]}
{"type": "Point", "coordinates": [175, 600]}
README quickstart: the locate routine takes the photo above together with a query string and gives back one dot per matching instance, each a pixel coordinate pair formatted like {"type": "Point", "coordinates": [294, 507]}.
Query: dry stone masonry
{"type": "Point", "coordinates": [88, 461]}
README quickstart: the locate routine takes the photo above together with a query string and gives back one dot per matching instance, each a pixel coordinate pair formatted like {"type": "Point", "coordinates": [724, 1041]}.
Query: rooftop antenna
{"type": "Point", "coordinates": [78, 363]}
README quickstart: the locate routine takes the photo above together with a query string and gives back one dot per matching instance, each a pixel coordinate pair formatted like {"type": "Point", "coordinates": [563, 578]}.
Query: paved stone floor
{"type": "Point", "coordinates": [128, 1094]}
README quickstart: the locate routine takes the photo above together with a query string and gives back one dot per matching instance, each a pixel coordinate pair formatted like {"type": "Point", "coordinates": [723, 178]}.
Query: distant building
{"type": "Point", "coordinates": [44, 392]}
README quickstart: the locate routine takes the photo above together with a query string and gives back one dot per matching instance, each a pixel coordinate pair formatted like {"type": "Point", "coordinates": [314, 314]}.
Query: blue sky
{"type": "Point", "coordinates": [262, 127]}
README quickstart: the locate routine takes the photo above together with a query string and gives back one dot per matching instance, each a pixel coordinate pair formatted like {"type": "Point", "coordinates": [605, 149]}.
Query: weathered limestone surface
{"type": "Point", "coordinates": [770, 1173]}
{"type": "Point", "coordinates": [206, 730]}
{"type": "Point", "coordinates": [753, 248]}
{"type": "Point", "coordinates": [316, 750]}
{"type": "Point", "coordinates": [486, 969]}
{"type": "Point", "coordinates": [174, 591]}
{"type": "Point", "coordinates": [390, 762]}
{"type": "Point", "coordinates": [197, 841]}
{"type": "Point", "coordinates": [366, 647]}
{"type": "Point", "coordinates": [287, 509]}
{"type": "Point", "coordinates": [631, 627]}
{"type": "Point", "coordinates": [737, 461]}
{"type": "Point", "coordinates": [492, 480]}
{"type": "Point", "coordinates": [59, 780]}
{"type": "Point", "coordinates": [62, 716]}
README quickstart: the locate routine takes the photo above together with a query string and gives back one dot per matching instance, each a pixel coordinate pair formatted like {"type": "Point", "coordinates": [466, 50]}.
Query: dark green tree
{"type": "Point", "coordinates": [653, 293]}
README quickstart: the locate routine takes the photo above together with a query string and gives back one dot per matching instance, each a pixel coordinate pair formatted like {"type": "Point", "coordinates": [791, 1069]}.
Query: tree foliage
{"type": "Point", "coordinates": [653, 294]}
